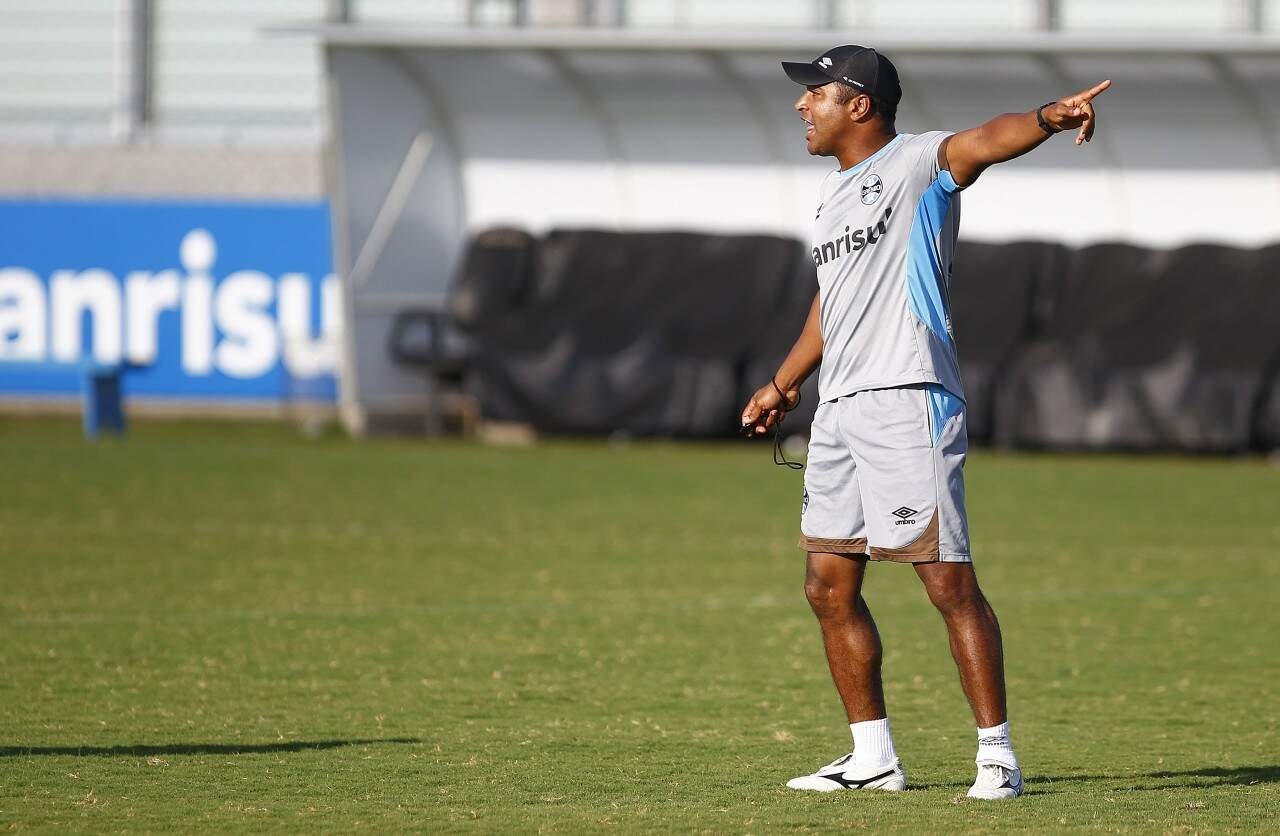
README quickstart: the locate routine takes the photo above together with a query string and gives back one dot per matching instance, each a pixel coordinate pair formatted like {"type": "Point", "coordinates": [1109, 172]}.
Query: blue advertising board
{"type": "Point", "coordinates": [204, 301]}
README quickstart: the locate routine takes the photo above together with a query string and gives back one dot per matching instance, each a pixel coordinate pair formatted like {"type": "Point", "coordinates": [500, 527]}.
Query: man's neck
{"type": "Point", "coordinates": [860, 148]}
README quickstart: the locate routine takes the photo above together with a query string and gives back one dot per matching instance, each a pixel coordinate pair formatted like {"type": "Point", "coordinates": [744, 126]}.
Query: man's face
{"type": "Point", "coordinates": [827, 120]}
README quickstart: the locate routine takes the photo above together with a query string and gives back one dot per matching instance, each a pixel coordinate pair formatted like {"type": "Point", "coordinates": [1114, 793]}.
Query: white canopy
{"type": "Point", "coordinates": [443, 132]}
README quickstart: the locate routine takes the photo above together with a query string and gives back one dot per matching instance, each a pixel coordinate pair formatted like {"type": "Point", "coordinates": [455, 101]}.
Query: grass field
{"type": "Point", "coordinates": [232, 627]}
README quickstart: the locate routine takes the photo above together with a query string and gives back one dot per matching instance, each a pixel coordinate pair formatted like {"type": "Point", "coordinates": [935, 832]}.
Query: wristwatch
{"type": "Point", "coordinates": [1045, 126]}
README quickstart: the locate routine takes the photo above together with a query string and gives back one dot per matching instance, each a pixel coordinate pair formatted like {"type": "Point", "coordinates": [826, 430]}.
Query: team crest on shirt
{"type": "Point", "coordinates": [871, 188]}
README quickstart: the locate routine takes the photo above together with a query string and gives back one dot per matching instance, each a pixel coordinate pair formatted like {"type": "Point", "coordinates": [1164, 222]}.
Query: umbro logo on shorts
{"type": "Point", "coordinates": [904, 515]}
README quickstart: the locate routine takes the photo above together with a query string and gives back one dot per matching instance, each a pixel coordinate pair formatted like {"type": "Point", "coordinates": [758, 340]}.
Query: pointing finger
{"type": "Point", "coordinates": [1085, 95]}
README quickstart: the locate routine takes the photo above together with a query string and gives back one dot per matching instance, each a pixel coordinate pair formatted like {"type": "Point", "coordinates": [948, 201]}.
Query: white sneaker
{"type": "Point", "coordinates": [996, 782]}
{"type": "Point", "coordinates": [840, 774]}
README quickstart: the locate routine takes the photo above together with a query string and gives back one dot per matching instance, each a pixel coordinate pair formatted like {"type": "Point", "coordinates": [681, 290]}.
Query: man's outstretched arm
{"type": "Point", "coordinates": [967, 153]}
{"type": "Point", "coordinates": [766, 406]}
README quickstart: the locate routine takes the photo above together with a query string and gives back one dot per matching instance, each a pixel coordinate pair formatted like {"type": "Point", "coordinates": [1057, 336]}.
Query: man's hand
{"type": "Point", "coordinates": [766, 408]}
{"type": "Point", "coordinates": [968, 153]}
{"type": "Point", "coordinates": [1076, 112]}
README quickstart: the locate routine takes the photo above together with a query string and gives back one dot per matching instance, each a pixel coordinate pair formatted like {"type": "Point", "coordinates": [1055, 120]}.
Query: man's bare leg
{"type": "Point", "coordinates": [975, 636]}
{"type": "Point", "coordinates": [833, 585]}
{"type": "Point", "coordinates": [979, 654]}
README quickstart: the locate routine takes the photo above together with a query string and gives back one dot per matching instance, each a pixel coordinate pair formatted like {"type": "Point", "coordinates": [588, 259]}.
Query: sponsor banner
{"type": "Point", "coordinates": [212, 301]}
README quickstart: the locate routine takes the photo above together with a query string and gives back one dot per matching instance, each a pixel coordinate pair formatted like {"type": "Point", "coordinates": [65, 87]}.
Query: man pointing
{"type": "Point", "coordinates": [885, 477]}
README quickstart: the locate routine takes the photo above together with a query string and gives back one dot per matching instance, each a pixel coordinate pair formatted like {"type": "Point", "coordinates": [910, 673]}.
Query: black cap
{"type": "Point", "coordinates": [861, 67]}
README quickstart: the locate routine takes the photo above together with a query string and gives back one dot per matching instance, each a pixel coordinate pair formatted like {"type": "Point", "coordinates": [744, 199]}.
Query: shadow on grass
{"type": "Point", "coordinates": [142, 751]}
{"type": "Point", "coordinates": [1238, 775]}
{"type": "Point", "coordinates": [1218, 776]}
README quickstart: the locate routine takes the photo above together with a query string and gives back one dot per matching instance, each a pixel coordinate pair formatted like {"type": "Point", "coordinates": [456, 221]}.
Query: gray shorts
{"type": "Point", "coordinates": [885, 476]}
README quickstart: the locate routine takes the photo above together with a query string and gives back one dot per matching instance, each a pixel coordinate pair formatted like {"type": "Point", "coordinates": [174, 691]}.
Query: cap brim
{"type": "Point", "coordinates": [805, 73]}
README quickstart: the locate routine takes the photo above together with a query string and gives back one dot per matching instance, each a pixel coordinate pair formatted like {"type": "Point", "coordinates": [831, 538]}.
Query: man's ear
{"type": "Point", "coordinates": [860, 108]}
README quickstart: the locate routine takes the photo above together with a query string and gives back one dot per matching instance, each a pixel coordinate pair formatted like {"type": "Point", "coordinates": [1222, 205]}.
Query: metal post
{"type": "Point", "coordinates": [1049, 15]}
{"type": "Point", "coordinates": [522, 12]}
{"type": "Point", "coordinates": [338, 11]}
{"type": "Point", "coordinates": [825, 14]}
{"type": "Point", "coordinates": [137, 110]}
{"type": "Point", "coordinates": [1254, 15]}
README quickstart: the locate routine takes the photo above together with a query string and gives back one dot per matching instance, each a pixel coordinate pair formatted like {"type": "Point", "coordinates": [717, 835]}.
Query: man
{"type": "Point", "coordinates": [886, 454]}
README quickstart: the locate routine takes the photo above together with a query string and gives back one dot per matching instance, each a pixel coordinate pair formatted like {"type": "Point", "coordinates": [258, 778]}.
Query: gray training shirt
{"type": "Point", "coordinates": [883, 240]}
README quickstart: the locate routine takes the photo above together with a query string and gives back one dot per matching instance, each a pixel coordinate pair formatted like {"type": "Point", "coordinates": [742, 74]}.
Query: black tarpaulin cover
{"type": "Point", "coordinates": [666, 333]}
{"type": "Point", "coordinates": [999, 301]}
{"type": "Point", "coordinates": [647, 333]}
{"type": "Point", "coordinates": [1147, 349]}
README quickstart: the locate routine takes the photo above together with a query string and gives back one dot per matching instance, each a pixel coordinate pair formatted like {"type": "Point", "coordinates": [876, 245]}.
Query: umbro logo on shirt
{"type": "Point", "coordinates": [851, 242]}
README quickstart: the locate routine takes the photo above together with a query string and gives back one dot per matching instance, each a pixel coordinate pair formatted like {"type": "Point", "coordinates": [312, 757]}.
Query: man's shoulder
{"type": "Point", "coordinates": [918, 146]}
{"type": "Point", "coordinates": [918, 153]}
{"type": "Point", "coordinates": [921, 140]}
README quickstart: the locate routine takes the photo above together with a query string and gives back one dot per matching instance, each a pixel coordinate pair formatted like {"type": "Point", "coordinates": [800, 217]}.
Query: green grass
{"type": "Point", "coordinates": [231, 627]}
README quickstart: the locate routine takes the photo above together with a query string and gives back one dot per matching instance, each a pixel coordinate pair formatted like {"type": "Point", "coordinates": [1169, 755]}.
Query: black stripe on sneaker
{"type": "Point", "coordinates": [850, 783]}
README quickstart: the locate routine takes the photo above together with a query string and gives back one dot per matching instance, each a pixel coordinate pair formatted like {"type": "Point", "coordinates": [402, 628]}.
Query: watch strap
{"type": "Point", "coordinates": [1045, 126]}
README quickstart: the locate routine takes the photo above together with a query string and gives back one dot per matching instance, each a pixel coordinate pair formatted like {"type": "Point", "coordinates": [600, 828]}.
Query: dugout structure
{"type": "Point", "coordinates": [438, 134]}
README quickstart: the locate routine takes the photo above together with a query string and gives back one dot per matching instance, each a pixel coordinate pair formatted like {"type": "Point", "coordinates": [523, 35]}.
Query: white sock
{"type": "Point", "coordinates": [994, 746]}
{"type": "Point", "coordinates": [872, 743]}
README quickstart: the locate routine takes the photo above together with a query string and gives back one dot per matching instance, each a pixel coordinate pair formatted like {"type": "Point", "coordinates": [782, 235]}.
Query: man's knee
{"type": "Point", "coordinates": [828, 601]}
{"type": "Point", "coordinates": [955, 597]}
{"type": "Point", "coordinates": [832, 583]}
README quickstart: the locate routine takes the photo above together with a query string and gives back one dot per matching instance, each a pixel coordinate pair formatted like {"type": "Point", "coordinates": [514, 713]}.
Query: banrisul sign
{"type": "Point", "coordinates": [210, 301]}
